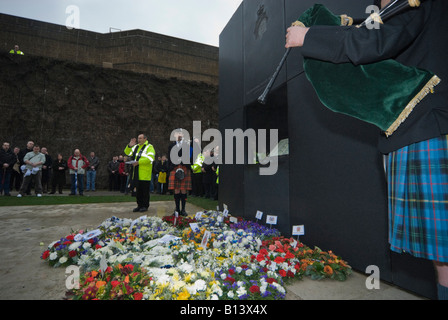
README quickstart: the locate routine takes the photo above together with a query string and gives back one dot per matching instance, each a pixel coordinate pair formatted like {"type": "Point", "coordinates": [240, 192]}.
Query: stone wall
{"type": "Point", "coordinates": [135, 50]}
{"type": "Point", "coordinates": [64, 105]}
{"type": "Point", "coordinates": [93, 91]}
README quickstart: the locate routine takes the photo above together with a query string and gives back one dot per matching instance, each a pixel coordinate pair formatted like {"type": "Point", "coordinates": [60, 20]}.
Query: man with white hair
{"type": "Point", "coordinates": [33, 167]}
{"type": "Point", "coordinates": [77, 164]}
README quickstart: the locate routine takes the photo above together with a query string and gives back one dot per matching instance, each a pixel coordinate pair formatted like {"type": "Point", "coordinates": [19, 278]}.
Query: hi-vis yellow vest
{"type": "Point", "coordinates": [16, 52]}
{"type": "Point", "coordinates": [217, 175]}
{"type": "Point", "coordinates": [145, 161]}
{"type": "Point", "coordinates": [197, 166]}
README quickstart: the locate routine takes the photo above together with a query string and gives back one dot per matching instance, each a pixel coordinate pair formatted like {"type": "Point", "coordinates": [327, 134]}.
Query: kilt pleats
{"type": "Point", "coordinates": [418, 199]}
{"type": "Point", "coordinates": [184, 184]}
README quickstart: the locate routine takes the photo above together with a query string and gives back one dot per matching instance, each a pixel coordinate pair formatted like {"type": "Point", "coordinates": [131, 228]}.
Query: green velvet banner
{"type": "Point", "coordinates": [382, 93]}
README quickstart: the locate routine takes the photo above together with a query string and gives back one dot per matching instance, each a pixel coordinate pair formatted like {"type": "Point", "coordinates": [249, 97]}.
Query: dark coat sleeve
{"type": "Point", "coordinates": [362, 45]}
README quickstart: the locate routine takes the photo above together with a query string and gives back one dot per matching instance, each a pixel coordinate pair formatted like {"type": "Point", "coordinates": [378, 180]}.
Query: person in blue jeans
{"type": "Point", "coordinates": [94, 162]}
{"type": "Point", "coordinates": [77, 164]}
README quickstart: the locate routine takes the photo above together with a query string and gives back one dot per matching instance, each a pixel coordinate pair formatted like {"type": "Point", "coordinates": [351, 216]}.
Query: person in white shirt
{"type": "Point", "coordinates": [33, 167]}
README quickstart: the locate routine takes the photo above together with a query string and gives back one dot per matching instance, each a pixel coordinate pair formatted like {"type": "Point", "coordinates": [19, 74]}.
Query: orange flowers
{"type": "Point", "coordinates": [314, 263]}
{"type": "Point", "coordinates": [118, 282]}
{"type": "Point", "coordinates": [328, 270]}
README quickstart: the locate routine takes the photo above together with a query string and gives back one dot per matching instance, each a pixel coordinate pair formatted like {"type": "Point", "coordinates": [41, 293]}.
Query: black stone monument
{"type": "Point", "coordinates": [332, 180]}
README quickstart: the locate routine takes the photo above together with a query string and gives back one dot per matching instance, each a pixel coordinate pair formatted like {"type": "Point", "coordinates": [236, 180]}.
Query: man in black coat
{"type": "Point", "coordinates": [7, 161]}
{"type": "Point", "coordinates": [414, 38]}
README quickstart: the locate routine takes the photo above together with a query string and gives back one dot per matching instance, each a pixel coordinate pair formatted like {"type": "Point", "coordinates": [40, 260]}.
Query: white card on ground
{"type": "Point", "coordinates": [194, 227]}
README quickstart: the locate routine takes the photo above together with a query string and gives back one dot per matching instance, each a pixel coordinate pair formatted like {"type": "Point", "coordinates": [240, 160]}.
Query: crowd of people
{"type": "Point", "coordinates": [33, 166]}
{"type": "Point", "coordinates": [177, 174]}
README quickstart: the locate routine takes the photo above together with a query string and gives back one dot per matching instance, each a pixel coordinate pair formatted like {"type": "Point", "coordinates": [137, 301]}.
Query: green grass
{"type": "Point", "coordinates": [207, 204]}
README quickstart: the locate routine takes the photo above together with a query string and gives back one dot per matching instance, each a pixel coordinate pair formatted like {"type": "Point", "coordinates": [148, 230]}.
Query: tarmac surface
{"type": "Point", "coordinates": [25, 276]}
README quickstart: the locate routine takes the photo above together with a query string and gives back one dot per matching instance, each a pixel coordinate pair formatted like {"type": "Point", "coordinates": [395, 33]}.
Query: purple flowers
{"type": "Point", "coordinates": [256, 229]}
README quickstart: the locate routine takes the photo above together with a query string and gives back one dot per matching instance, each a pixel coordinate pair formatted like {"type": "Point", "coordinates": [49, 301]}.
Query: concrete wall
{"type": "Point", "coordinates": [81, 89]}
{"type": "Point", "coordinates": [134, 50]}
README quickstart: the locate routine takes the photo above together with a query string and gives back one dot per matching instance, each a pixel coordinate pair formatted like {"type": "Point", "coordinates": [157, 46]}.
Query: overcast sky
{"type": "Point", "coordinates": [196, 20]}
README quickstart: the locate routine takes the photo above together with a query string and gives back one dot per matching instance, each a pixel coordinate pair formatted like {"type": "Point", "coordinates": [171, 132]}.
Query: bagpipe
{"type": "Point", "coordinates": [383, 93]}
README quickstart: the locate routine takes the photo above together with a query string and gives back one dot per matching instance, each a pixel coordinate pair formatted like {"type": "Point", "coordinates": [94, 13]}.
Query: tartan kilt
{"type": "Point", "coordinates": [418, 199]}
{"type": "Point", "coordinates": [185, 184]}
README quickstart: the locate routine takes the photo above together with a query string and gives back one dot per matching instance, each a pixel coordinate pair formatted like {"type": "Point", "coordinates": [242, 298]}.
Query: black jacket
{"type": "Point", "coordinates": [416, 38]}
{"type": "Point", "coordinates": [22, 154]}
{"type": "Point", "coordinates": [7, 157]}
{"type": "Point", "coordinates": [178, 152]}
{"type": "Point", "coordinates": [162, 167]}
{"type": "Point", "coordinates": [209, 176]}
{"type": "Point", "coordinates": [57, 164]}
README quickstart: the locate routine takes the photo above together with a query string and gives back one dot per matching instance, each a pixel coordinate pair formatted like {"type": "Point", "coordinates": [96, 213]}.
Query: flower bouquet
{"type": "Point", "coordinates": [153, 258]}
{"type": "Point", "coordinates": [251, 282]}
{"type": "Point", "coordinates": [256, 229]}
{"type": "Point", "coordinates": [115, 283]}
{"type": "Point", "coordinates": [184, 283]}
{"type": "Point", "coordinates": [314, 263]}
{"type": "Point", "coordinates": [68, 250]}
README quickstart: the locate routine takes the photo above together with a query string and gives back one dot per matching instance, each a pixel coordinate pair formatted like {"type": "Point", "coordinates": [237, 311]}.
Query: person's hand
{"type": "Point", "coordinates": [295, 36]}
{"type": "Point", "coordinates": [135, 164]}
{"type": "Point", "coordinates": [133, 142]}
